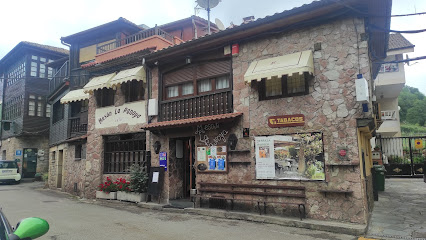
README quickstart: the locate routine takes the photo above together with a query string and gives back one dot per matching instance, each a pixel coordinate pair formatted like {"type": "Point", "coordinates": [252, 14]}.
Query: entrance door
{"type": "Point", "coordinates": [189, 171]}
{"type": "Point", "coordinates": [60, 163]}
{"type": "Point", "coordinates": [29, 165]}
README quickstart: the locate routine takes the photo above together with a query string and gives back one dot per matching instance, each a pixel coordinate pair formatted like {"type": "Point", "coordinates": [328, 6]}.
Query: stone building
{"type": "Point", "coordinates": [25, 71]}
{"type": "Point", "coordinates": [274, 102]}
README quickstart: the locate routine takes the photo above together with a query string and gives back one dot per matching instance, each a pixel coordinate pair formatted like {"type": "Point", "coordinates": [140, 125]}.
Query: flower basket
{"type": "Point", "coordinates": [131, 196]}
{"type": "Point", "coordinates": [104, 195]}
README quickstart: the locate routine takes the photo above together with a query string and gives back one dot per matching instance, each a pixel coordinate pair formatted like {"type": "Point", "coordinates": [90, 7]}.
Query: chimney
{"type": "Point", "coordinates": [248, 19]}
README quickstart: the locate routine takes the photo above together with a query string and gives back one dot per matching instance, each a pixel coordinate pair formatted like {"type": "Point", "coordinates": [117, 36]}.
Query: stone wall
{"type": "Point", "coordinates": [12, 144]}
{"type": "Point", "coordinates": [74, 172]}
{"type": "Point", "coordinates": [53, 164]}
{"type": "Point", "coordinates": [330, 108]}
{"type": "Point", "coordinates": [95, 146]}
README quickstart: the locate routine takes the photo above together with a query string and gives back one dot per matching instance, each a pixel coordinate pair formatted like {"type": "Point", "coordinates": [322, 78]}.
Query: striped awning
{"type": "Point", "coordinates": [74, 96]}
{"type": "Point", "coordinates": [99, 83]}
{"type": "Point", "coordinates": [137, 73]}
{"type": "Point", "coordinates": [299, 62]}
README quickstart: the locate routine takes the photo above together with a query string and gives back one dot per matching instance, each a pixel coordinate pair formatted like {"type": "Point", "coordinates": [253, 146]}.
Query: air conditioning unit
{"type": "Point", "coordinates": [152, 107]}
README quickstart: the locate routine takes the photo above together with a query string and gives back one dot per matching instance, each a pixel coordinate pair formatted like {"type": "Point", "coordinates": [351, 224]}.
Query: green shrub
{"type": "Point", "coordinates": [138, 179]}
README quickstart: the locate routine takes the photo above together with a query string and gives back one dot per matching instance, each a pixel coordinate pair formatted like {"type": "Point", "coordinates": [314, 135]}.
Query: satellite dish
{"type": "Point", "coordinates": [208, 3]}
{"type": "Point", "coordinates": [219, 24]}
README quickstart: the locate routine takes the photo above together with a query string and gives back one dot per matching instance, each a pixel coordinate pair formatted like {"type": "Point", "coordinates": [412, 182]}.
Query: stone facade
{"type": "Point", "coordinates": [93, 172]}
{"type": "Point", "coordinates": [10, 145]}
{"type": "Point", "coordinates": [329, 108]}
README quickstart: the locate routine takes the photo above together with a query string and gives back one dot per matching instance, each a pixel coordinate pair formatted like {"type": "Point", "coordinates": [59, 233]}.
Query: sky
{"type": "Point", "coordinates": [46, 21]}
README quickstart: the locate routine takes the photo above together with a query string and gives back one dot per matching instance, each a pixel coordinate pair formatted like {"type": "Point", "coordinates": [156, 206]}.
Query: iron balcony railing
{"type": "Point", "coordinates": [59, 77]}
{"type": "Point", "coordinates": [198, 106]}
{"type": "Point", "coordinates": [389, 115]}
{"type": "Point", "coordinates": [134, 38]}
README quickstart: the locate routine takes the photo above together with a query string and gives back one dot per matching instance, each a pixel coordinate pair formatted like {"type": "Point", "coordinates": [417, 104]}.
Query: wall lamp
{"type": "Point", "coordinates": [157, 147]}
{"type": "Point", "coordinates": [188, 60]}
{"type": "Point", "coordinates": [232, 141]}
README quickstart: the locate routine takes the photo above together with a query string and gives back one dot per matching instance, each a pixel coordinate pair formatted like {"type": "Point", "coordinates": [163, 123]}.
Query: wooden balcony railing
{"type": "Point", "coordinates": [76, 127]}
{"type": "Point", "coordinates": [198, 106]}
{"type": "Point", "coordinates": [59, 78]}
{"type": "Point", "coordinates": [134, 38]}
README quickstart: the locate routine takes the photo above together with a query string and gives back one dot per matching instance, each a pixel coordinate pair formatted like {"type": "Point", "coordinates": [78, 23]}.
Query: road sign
{"type": "Point", "coordinates": [418, 143]}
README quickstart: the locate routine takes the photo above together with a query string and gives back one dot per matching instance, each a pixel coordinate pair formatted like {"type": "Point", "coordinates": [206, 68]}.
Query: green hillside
{"type": "Point", "coordinates": [413, 111]}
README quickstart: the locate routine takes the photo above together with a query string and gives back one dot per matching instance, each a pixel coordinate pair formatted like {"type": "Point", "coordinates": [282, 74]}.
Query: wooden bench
{"type": "Point", "coordinates": [262, 193]}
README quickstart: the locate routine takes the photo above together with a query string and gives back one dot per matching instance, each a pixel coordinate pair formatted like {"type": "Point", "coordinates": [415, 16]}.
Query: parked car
{"type": "Point", "coordinates": [28, 228]}
{"type": "Point", "coordinates": [9, 171]}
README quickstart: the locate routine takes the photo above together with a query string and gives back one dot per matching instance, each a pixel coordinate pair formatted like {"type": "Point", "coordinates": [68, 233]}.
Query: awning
{"type": "Point", "coordinates": [99, 83]}
{"type": "Point", "coordinates": [74, 96]}
{"type": "Point", "coordinates": [191, 121]}
{"type": "Point", "coordinates": [137, 73]}
{"type": "Point", "coordinates": [299, 62]}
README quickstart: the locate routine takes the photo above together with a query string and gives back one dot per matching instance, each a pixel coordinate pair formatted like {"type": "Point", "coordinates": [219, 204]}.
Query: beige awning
{"type": "Point", "coordinates": [74, 96]}
{"type": "Point", "coordinates": [99, 83]}
{"type": "Point", "coordinates": [137, 73]}
{"type": "Point", "coordinates": [299, 62]}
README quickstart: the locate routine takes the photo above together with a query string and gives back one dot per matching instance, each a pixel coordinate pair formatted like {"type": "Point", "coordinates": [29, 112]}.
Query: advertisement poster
{"type": "Point", "coordinates": [163, 160]}
{"type": "Point", "coordinates": [296, 156]}
{"type": "Point", "coordinates": [212, 159]}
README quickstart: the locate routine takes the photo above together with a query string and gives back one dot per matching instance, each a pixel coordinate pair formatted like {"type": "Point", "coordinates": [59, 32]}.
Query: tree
{"type": "Point", "coordinates": [412, 103]}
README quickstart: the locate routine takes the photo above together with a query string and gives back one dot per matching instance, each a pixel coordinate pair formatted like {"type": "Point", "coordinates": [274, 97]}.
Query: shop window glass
{"type": "Point", "coordinates": [273, 87]}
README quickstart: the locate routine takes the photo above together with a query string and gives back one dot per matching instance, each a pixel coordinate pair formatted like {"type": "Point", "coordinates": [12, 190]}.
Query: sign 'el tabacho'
{"type": "Point", "coordinates": [286, 121]}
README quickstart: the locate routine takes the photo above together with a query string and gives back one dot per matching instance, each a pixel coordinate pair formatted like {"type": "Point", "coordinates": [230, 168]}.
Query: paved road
{"type": "Point", "coordinates": [70, 218]}
{"type": "Point", "coordinates": [400, 212]}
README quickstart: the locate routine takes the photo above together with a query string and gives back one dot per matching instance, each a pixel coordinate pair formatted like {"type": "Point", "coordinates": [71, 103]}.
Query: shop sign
{"type": "Point", "coordinates": [130, 113]}
{"type": "Point", "coordinates": [286, 121]}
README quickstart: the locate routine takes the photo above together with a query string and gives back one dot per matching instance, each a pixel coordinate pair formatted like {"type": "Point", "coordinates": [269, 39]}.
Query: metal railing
{"type": "Point", "coordinates": [389, 115]}
{"type": "Point", "coordinates": [59, 78]}
{"type": "Point", "coordinates": [134, 38]}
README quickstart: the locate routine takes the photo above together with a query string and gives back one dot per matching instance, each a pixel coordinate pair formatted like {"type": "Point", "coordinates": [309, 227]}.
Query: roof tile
{"type": "Point", "coordinates": [397, 41]}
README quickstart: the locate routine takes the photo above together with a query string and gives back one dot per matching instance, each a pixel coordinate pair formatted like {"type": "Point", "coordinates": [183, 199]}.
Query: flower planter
{"type": "Point", "coordinates": [104, 195]}
{"type": "Point", "coordinates": [131, 196]}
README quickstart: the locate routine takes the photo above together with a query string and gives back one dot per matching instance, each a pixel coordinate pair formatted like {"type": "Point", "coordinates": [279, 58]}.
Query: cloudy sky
{"type": "Point", "coordinates": [46, 21]}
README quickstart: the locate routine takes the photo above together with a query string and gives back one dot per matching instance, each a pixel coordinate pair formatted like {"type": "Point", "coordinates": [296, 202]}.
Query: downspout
{"type": "Point", "coordinates": [195, 27]}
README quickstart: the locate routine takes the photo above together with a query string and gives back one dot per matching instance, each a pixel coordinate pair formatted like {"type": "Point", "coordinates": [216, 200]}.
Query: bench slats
{"type": "Point", "coordinates": [253, 193]}
{"type": "Point", "coordinates": [236, 185]}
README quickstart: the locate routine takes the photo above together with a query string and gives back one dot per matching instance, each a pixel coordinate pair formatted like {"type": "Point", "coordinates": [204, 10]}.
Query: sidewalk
{"type": "Point", "coordinates": [400, 212]}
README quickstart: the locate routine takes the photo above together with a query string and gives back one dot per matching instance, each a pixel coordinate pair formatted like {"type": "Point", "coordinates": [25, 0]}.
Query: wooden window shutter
{"type": "Point", "coordinates": [211, 69]}
{"type": "Point", "coordinates": [183, 75]}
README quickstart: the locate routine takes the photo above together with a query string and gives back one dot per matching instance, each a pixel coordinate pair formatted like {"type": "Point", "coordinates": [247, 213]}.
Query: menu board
{"type": "Point", "coordinates": [212, 159]}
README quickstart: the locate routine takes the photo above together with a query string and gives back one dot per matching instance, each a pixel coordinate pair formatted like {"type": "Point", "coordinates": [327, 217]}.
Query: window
{"type": "Point", "coordinates": [79, 107]}
{"type": "Point", "coordinates": [134, 145]}
{"type": "Point", "coordinates": [38, 67]}
{"type": "Point", "coordinates": [16, 72]}
{"type": "Point", "coordinates": [40, 107]}
{"type": "Point", "coordinates": [13, 108]}
{"type": "Point", "coordinates": [287, 86]}
{"type": "Point", "coordinates": [48, 110]}
{"type": "Point", "coordinates": [133, 90]}
{"type": "Point", "coordinates": [33, 69]}
{"type": "Point", "coordinates": [187, 89]}
{"type": "Point", "coordinates": [58, 112]}
{"type": "Point", "coordinates": [172, 91]}
{"type": "Point", "coordinates": [31, 105]}
{"type": "Point", "coordinates": [80, 151]}
{"type": "Point", "coordinates": [105, 97]}
{"type": "Point", "coordinates": [204, 85]}
{"type": "Point", "coordinates": [222, 82]}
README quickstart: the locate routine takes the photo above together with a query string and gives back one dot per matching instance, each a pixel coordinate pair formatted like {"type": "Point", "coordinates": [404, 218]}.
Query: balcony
{"type": "Point", "coordinates": [59, 78]}
{"type": "Point", "coordinates": [153, 37]}
{"type": "Point", "coordinates": [77, 127]}
{"type": "Point", "coordinates": [198, 106]}
{"type": "Point", "coordinates": [389, 115]}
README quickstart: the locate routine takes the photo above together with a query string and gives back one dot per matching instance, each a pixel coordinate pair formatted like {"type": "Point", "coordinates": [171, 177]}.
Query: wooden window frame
{"type": "Point", "coordinates": [284, 90]}
{"type": "Point", "coordinates": [129, 94]}
{"type": "Point", "coordinates": [180, 95]}
{"type": "Point", "coordinates": [37, 101]}
{"type": "Point", "coordinates": [105, 97]}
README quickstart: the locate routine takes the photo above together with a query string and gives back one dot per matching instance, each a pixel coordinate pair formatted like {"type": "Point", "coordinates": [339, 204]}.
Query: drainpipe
{"type": "Point", "coordinates": [195, 28]}
{"type": "Point", "coordinates": [69, 57]}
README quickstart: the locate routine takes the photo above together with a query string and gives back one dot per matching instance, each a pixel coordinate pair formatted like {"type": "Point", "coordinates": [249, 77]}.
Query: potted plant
{"type": "Point", "coordinates": [124, 192]}
{"type": "Point", "coordinates": [138, 183]}
{"type": "Point", "coordinates": [107, 190]}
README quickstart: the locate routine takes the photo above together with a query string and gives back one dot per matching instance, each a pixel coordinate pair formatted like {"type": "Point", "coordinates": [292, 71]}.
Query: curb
{"type": "Point", "coordinates": [328, 226]}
